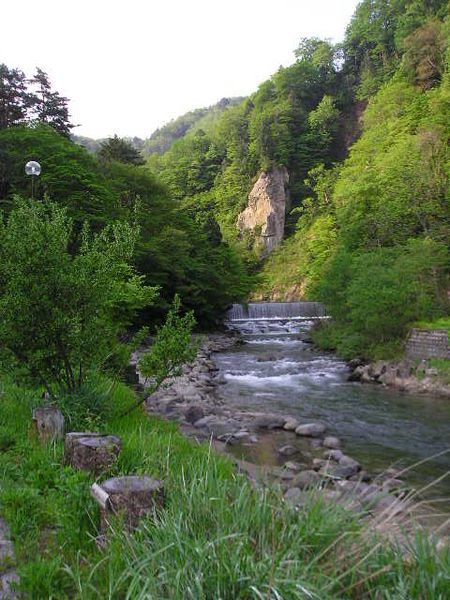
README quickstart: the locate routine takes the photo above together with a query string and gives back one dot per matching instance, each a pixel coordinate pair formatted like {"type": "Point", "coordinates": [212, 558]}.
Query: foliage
{"type": "Point", "coordinates": [119, 149]}
{"type": "Point", "coordinates": [61, 313]}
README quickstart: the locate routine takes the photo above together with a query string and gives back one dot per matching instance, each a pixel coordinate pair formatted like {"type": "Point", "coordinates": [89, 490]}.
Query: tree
{"type": "Point", "coordinates": [14, 99]}
{"type": "Point", "coordinates": [119, 149]}
{"type": "Point", "coordinates": [48, 106]}
{"type": "Point", "coordinates": [62, 313]}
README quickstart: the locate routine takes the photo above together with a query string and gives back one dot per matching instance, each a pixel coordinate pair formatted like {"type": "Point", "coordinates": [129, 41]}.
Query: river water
{"type": "Point", "coordinates": [278, 371]}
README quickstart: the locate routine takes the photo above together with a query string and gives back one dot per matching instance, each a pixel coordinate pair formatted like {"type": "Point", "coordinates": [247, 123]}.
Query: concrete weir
{"type": "Point", "coordinates": [276, 311]}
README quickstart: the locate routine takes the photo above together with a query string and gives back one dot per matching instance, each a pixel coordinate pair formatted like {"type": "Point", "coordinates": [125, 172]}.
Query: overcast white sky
{"type": "Point", "coordinates": [130, 66]}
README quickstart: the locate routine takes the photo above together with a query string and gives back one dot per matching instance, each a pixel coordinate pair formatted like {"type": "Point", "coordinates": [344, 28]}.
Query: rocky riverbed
{"type": "Point", "coordinates": [307, 455]}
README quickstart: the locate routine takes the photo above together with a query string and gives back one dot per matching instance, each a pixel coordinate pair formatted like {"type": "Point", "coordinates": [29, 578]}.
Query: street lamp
{"type": "Point", "coordinates": [33, 168]}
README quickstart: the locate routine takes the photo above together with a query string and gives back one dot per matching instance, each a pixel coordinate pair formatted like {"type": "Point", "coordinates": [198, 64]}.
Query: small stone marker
{"type": "Point", "coordinates": [49, 423]}
{"type": "Point", "coordinates": [91, 451]}
{"type": "Point", "coordinates": [130, 497]}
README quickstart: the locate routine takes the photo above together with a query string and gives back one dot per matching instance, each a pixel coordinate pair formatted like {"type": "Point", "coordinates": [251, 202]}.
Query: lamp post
{"type": "Point", "coordinates": [33, 168]}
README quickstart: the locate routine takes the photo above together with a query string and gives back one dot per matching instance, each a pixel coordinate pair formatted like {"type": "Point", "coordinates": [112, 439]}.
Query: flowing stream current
{"type": "Point", "coordinates": [278, 371]}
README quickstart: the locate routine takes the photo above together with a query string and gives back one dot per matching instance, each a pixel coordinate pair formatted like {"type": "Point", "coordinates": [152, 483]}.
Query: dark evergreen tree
{"type": "Point", "coordinates": [14, 99]}
{"type": "Point", "coordinates": [48, 106]}
{"type": "Point", "coordinates": [119, 149]}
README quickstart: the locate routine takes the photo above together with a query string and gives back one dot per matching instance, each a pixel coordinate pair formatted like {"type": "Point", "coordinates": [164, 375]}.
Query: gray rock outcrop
{"type": "Point", "coordinates": [267, 204]}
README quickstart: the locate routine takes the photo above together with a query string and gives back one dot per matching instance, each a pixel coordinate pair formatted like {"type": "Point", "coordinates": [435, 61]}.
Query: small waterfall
{"type": "Point", "coordinates": [276, 311]}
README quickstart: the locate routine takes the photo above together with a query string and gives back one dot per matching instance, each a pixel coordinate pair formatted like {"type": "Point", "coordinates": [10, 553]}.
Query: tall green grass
{"type": "Point", "coordinates": [217, 537]}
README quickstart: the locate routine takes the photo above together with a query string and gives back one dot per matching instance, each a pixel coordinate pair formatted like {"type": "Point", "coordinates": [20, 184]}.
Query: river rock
{"type": "Point", "coordinates": [343, 472]}
{"type": "Point", "coordinates": [194, 413]}
{"type": "Point", "coordinates": [203, 422]}
{"type": "Point", "coordinates": [305, 479]}
{"type": "Point", "coordinates": [311, 429]}
{"type": "Point", "coordinates": [219, 428]}
{"type": "Point", "coordinates": [332, 442]}
{"type": "Point", "coordinates": [291, 424]}
{"type": "Point", "coordinates": [347, 461]}
{"type": "Point", "coordinates": [319, 463]}
{"type": "Point", "coordinates": [294, 496]}
{"type": "Point", "coordinates": [315, 442]}
{"type": "Point", "coordinates": [293, 466]}
{"type": "Point", "coordinates": [333, 455]}
{"type": "Point", "coordinates": [270, 422]}
{"type": "Point", "coordinates": [287, 450]}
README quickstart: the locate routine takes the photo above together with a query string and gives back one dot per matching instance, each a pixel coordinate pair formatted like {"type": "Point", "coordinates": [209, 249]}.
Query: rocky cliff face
{"type": "Point", "coordinates": [265, 213]}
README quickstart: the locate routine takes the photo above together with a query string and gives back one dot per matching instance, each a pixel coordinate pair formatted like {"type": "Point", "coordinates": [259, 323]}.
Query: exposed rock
{"type": "Point", "coordinates": [270, 422]}
{"type": "Point", "coordinates": [311, 429]}
{"type": "Point", "coordinates": [294, 496]}
{"type": "Point", "coordinates": [305, 479]}
{"type": "Point", "coordinates": [293, 466]}
{"type": "Point", "coordinates": [347, 461]}
{"type": "Point", "coordinates": [267, 204]}
{"type": "Point", "coordinates": [194, 413]}
{"type": "Point", "coordinates": [333, 455]}
{"type": "Point", "coordinates": [291, 424]}
{"type": "Point", "coordinates": [332, 442]}
{"type": "Point", "coordinates": [287, 450]}
{"type": "Point", "coordinates": [223, 428]}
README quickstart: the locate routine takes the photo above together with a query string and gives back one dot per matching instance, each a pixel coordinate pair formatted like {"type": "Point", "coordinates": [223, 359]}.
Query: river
{"type": "Point", "coordinates": [277, 370]}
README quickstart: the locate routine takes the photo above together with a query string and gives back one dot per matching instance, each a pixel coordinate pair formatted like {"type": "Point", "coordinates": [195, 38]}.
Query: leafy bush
{"type": "Point", "coordinates": [62, 312]}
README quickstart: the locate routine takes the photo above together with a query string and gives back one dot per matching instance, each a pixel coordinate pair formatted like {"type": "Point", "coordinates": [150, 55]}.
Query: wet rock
{"type": "Point", "coordinates": [331, 442]}
{"type": "Point", "coordinates": [287, 450]}
{"type": "Point", "coordinates": [291, 424]}
{"type": "Point", "coordinates": [305, 479]}
{"type": "Point", "coordinates": [311, 429]}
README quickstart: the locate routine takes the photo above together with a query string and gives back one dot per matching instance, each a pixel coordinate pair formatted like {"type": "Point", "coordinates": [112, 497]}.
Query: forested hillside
{"type": "Point", "coordinates": [177, 251]}
{"type": "Point", "coordinates": [363, 130]}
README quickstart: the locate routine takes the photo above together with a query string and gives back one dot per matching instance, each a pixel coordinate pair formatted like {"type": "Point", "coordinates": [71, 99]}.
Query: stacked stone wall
{"type": "Point", "coordinates": [428, 343]}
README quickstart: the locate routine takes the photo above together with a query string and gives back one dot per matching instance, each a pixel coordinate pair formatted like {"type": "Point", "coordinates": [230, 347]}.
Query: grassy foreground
{"type": "Point", "coordinates": [217, 537]}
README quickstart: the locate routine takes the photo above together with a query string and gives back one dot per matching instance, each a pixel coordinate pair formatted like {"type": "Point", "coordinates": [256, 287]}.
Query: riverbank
{"type": "Point", "coordinates": [420, 377]}
{"type": "Point", "coordinates": [217, 536]}
{"type": "Point", "coordinates": [307, 455]}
